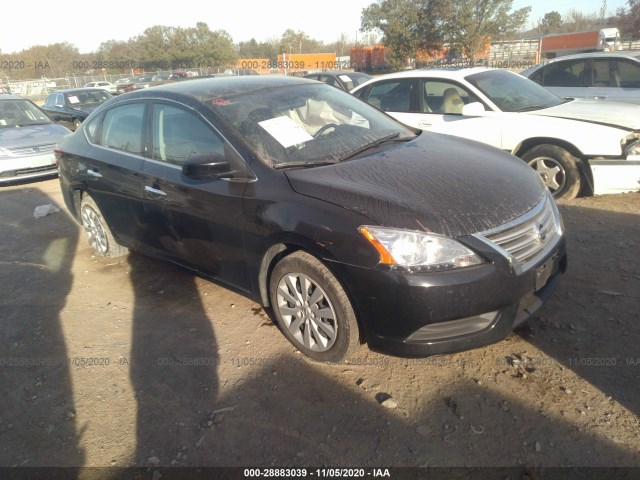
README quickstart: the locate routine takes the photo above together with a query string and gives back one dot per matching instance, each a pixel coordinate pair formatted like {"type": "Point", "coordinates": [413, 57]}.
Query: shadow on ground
{"type": "Point", "coordinates": [36, 394]}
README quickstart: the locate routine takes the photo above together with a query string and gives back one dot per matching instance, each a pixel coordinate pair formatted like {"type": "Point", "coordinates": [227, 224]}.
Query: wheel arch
{"type": "Point", "coordinates": [529, 143]}
{"type": "Point", "coordinates": [288, 244]}
{"type": "Point", "coordinates": [583, 166]}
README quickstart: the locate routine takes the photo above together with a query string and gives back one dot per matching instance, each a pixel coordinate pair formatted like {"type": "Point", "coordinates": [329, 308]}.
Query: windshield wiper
{"type": "Point", "coordinates": [531, 107]}
{"type": "Point", "coordinates": [29, 124]}
{"type": "Point", "coordinates": [376, 143]}
{"type": "Point", "coordinates": [306, 163]}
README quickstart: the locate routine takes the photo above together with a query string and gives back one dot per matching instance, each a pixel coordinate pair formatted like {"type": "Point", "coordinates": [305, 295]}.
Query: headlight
{"type": "Point", "coordinates": [416, 251]}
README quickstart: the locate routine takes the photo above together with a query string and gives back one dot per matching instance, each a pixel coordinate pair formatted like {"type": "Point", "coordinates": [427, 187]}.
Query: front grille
{"type": "Point", "coordinates": [33, 150]}
{"type": "Point", "coordinates": [529, 238]}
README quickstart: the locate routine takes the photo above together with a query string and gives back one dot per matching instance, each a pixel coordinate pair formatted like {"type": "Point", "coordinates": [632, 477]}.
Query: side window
{"type": "Point", "coordinates": [91, 128]}
{"type": "Point", "coordinates": [566, 74]}
{"type": "Point", "coordinates": [537, 76]}
{"type": "Point", "coordinates": [628, 73]}
{"type": "Point", "coordinates": [50, 100]}
{"type": "Point", "coordinates": [329, 81]}
{"type": "Point", "coordinates": [122, 128]}
{"type": "Point", "coordinates": [602, 73]}
{"type": "Point", "coordinates": [445, 97]}
{"type": "Point", "coordinates": [178, 133]}
{"type": "Point", "coordinates": [59, 100]}
{"type": "Point", "coordinates": [392, 95]}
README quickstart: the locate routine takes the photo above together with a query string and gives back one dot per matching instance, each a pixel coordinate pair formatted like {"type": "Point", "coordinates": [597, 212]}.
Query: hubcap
{"type": "Point", "coordinates": [551, 172]}
{"type": "Point", "coordinates": [307, 312]}
{"type": "Point", "coordinates": [94, 229]}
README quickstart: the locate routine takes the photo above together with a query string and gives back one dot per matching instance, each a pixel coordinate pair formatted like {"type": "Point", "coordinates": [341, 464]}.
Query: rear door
{"type": "Point", "coordinates": [112, 170]}
{"type": "Point", "coordinates": [617, 80]}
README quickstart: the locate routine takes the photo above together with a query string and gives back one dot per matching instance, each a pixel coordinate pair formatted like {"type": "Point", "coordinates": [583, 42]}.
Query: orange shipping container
{"type": "Point", "coordinates": [570, 41]}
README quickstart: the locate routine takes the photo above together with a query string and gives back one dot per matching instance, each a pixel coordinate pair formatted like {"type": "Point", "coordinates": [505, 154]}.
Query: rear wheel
{"type": "Point", "coordinates": [557, 168]}
{"type": "Point", "coordinates": [313, 309]}
{"type": "Point", "coordinates": [76, 124]}
{"type": "Point", "coordinates": [98, 233]}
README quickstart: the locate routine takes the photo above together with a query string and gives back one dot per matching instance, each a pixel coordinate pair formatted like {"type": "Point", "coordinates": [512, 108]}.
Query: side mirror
{"type": "Point", "coordinates": [473, 109]}
{"type": "Point", "coordinates": [206, 166]}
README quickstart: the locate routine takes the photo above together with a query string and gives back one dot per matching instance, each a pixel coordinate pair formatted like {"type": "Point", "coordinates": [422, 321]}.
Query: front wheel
{"type": "Point", "coordinates": [98, 233]}
{"type": "Point", "coordinates": [557, 168]}
{"type": "Point", "coordinates": [312, 308]}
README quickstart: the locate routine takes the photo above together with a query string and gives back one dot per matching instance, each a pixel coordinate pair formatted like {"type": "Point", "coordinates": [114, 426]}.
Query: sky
{"type": "Point", "coordinates": [86, 25]}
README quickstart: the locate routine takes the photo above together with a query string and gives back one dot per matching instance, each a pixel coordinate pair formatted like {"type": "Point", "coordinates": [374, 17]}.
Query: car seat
{"type": "Point", "coordinates": [452, 102]}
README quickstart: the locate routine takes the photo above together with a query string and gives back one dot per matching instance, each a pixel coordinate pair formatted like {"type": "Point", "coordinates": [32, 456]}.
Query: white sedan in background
{"type": "Point", "coordinates": [108, 86]}
{"type": "Point", "coordinates": [573, 144]}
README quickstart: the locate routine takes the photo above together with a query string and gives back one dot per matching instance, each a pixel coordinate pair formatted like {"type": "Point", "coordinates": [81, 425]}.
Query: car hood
{"type": "Point", "coordinates": [435, 183]}
{"type": "Point", "coordinates": [32, 135]}
{"type": "Point", "coordinates": [613, 114]}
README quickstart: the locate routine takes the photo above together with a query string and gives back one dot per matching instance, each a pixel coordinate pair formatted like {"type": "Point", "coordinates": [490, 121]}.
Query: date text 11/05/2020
{"type": "Point", "coordinates": [466, 63]}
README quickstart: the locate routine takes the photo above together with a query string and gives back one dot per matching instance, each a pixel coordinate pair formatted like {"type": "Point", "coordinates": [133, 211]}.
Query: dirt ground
{"type": "Point", "coordinates": [136, 362]}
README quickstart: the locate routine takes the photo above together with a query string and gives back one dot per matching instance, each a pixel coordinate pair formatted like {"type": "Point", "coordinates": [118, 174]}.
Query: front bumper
{"type": "Point", "coordinates": [410, 314]}
{"type": "Point", "coordinates": [13, 169]}
{"type": "Point", "coordinates": [614, 175]}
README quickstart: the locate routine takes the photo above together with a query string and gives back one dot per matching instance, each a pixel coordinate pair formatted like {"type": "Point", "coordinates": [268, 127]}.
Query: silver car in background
{"type": "Point", "coordinates": [27, 140]}
{"type": "Point", "coordinates": [605, 76]}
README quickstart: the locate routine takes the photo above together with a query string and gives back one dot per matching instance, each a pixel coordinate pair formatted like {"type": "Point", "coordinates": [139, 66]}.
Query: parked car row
{"type": "Point", "coordinates": [353, 225]}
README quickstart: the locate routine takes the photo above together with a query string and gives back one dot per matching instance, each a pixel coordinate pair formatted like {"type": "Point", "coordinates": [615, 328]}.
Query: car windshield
{"type": "Point", "coordinates": [512, 92]}
{"type": "Point", "coordinates": [306, 124]}
{"type": "Point", "coordinates": [21, 113]}
{"type": "Point", "coordinates": [87, 98]}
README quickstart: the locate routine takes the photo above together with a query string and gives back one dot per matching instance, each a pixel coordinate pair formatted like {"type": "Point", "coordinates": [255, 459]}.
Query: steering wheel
{"type": "Point", "coordinates": [324, 128]}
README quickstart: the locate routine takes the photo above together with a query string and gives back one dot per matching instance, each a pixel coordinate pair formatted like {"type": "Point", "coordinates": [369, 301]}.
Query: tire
{"type": "Point", "coordinates": [98, 233]}
{"type": "Point", "coordinates": [557, 168]}
{"type": "Point", "coordinates": [76, 124]}
{"type": "Point", "coordinates": [321, 323]}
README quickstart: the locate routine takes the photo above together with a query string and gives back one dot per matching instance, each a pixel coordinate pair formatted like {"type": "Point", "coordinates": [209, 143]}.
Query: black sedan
{"type": "Point", "coordinates": [350, 226]}
{"type": "Point", "coordinates": [340, 79]}
{"type": "Point", "coordinates": [71, 107]}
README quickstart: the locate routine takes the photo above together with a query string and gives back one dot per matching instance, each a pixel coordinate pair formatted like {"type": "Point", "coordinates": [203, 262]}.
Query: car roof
{"type": "Point", "coordinates": [75, 90]}
{"type": "Point", "coordinates": [10, 96]}
{"type": "Point", "coordinates": [580, 56]}
{"type": "Point", "coordinates": [338, 72]}
{"type": "Point", "coordinates": [220, 86]}
{"type": "Point", "coordinates": [456, 72]}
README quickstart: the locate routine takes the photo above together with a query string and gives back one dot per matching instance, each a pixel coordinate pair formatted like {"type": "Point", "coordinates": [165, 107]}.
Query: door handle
{"type": "Point", "coordinates": [154, 191]}
{"type": "Point", "coordinates": [597, 97]}
{"type": "Point", "coordinates": [423, 124]}
{"type": "Point", "coordinates": [94, 173]}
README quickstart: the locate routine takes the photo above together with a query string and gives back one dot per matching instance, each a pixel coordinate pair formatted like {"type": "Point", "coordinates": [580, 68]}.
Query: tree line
{"type": "Point", "coordinates": [161, 48]}
{"type": "Point", "coordinates": [404, 26]}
